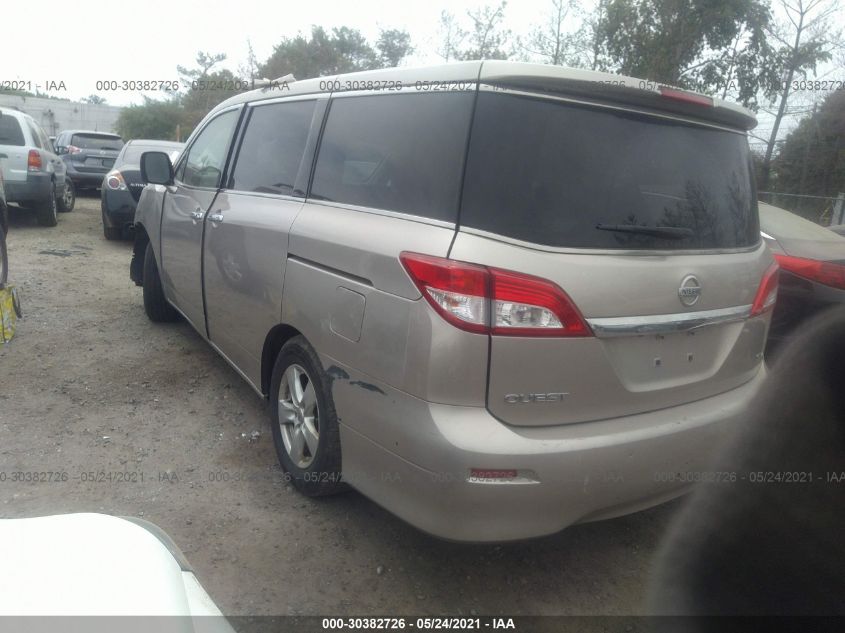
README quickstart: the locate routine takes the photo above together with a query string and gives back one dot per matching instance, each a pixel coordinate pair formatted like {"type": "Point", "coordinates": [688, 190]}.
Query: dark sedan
{"type": "Point", "coordinates": [812, 269]}
{"type": "Point", "coordinates": [122, 185]}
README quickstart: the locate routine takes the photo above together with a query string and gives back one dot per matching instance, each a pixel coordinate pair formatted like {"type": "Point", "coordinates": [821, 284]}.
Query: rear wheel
{"type": "Point", "coordinates": [304, 422]}
{"type": "Point", "coordinates": [155, 304]}
{"type": "Point", "coordinates": [68, 198]}
{"type": "Point", "coordinates": [47, 212]}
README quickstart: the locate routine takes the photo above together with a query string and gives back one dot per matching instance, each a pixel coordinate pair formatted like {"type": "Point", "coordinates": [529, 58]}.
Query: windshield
{"type": "Point", "coordinates": [566, 175]}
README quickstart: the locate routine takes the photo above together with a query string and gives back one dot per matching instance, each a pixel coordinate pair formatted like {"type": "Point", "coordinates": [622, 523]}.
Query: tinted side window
{"type": "Point", "coordinates": [207, 156]}
{"type": "Point", "coordinates": [272, 147]}
{"type": "Point", "coordinates": [36, 137]}
{"type": "Point", "coordinates": [550, 173]}
{"type": "Point", "coordinates": [10, 131]}
{"type": "Point", "coordinates": [395, 152]}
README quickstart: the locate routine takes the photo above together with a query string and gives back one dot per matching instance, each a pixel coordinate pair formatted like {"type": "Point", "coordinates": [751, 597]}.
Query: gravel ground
{"type": "Point", "coordinates": [90, 387]}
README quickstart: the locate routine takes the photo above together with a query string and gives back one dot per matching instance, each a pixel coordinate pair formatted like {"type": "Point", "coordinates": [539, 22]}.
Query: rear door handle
{"type": "Point", "coordinates": [196, 215]}
{"type": "Point", "coordinates": [217, 218]}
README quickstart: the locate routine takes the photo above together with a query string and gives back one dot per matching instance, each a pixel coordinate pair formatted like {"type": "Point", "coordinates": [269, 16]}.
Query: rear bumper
{"type": "Point", "coordinates": [118, 208]}
{"type": "Point", "coordinates": [36, 188]}
{"type": "Point", "coordinates": [85, 179]}
{"type": "Point", "coordinates": [414, 458]}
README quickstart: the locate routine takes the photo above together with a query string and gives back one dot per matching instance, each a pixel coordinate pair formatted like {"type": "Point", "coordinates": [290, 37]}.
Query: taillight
{"type": "Point", "coordinates": [827, 273]}
{"type": "Point", "coordinates": [767, 293]}
{"type": "Point", "coordinates": [73, 149]}
{"type": "Point", "coordinates": [33, 161]}
{"type": "Point", "coordinates": [494, 301]}
{"type": "Point", "coordinates": [114, 180]}
{"type": "Point", "coordinates": [686, 97]}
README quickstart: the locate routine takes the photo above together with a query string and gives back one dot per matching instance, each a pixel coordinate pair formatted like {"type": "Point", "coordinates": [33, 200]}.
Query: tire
{"type": "Point", "coordinates": [313, 466]}
{"type": "Point", "coordinates": [113, 233]}
{"type": "Point", "coordinates": [4, 259]}
{"type": "Point", "coordinates": [68, 199]}
{"type": "Point", "coordinates": [155, 305]}
{"type": "Point", "coordinates": [47, 212]}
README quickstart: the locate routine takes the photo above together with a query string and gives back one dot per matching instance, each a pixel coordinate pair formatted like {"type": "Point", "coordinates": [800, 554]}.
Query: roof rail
{"type": "Point", "coordinates": [269, 83]}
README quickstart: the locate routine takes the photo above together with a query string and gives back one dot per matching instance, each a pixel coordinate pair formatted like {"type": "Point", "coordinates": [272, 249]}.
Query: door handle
{"type": "Point", "coordinates": [196, 215]}
{"type": "Point", "coordinates": [217, 218]}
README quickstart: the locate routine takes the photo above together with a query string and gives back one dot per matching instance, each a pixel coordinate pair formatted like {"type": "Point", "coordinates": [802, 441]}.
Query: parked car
{"type": "Point", "coordinates": [812, 269]}
{"type": "Point", "coordinates": [4, 229]}
{"type": "Point", "coordinates": [34, 175]}
{"type": "Point", "coordinates": [88, 155]}
{"type": "Point", "coordinates": [466, 293]}
{"type": "Point", "coordinates": [96, 565]}
{"type": "Point", "coordinates": [122, 186]}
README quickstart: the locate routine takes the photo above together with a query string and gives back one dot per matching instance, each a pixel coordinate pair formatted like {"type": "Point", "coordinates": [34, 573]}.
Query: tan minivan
{"type": "Point", "coordinates": [496, 298]}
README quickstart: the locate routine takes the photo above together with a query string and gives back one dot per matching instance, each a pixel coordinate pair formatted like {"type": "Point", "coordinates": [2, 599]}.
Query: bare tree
{"type": "Point", "coordinates": [452, 36]}
{"type": "Point", "coordinates": [487, 39]}
{"type": "Point", "coordinates": [551, 41]}
{"type": "Point", "coordinates": [805, 40]}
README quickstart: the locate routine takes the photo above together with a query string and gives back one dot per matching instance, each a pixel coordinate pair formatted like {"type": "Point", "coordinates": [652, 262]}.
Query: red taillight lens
{"type": "Point", "coordinates": [494, 301]}
{"type": "Point", "coordinates": [827, 273]}
{"type": "Point", "coordinates": [767, 293]}
{"type": "Point", "coordinates": [530, 306]}
{"type": "Point", "coordinates": [73, 149]}
{"type": "Point", "coordinates": [33, 161]}
{"type": "Point", "coordinates": [686, 97]}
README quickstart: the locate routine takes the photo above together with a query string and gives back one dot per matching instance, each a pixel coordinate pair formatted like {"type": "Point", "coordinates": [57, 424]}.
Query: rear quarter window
{"type": "Point", "coordinates": [550, 172]}
{"type": "Point", "coordinates": [10, 131]}
{"type": "Point", "coordinates": [400, 153]}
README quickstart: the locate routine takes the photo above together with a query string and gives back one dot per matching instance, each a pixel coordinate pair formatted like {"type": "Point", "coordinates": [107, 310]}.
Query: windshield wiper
{"type": "Point", "coordinates": [665, 232]}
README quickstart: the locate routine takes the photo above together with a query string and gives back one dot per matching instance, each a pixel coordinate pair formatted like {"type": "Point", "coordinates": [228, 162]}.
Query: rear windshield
{"type": "Point", "coordinates": [10, 131]}
{"type": "Point", "coordinates": [96, 141]}
{"type": "Point", "coordinates": [567, 175]}
{"type": "Point", "coordinates": [132, 155]}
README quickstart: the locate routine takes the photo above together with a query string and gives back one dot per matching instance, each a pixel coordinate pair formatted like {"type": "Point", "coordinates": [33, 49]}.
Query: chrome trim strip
{"type": "Point", "coordinates": [666, 323]}
{"type": "Point", "coordinates": [607, 251]}
{"type": "Point", "coordinates": [382, 212]}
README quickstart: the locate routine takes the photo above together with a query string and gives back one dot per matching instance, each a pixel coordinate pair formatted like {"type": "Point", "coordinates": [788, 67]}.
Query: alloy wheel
{"type": "Point", "coordinates": [299, 416]}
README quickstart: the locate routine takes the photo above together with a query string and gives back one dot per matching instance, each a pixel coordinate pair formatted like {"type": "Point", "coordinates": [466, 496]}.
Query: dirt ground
{"type": "Point", "coordinates": [89, 387]}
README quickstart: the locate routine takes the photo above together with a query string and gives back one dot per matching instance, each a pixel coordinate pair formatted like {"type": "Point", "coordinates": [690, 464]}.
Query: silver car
{"type": "Point", "coordinates": [34, 174]}
{"type": "Point", "coordinates": [496, 298]}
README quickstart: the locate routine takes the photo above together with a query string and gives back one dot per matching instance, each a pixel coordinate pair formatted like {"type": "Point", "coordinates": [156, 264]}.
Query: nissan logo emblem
{"type": "Point", "coordinates": [690, 291]}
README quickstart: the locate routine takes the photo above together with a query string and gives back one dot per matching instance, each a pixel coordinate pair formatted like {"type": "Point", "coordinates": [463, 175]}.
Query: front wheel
{"type": "Point", "coordinates": [68, 199]}
{"type": "Point", "coordinates": [156, 306]}
{"type": "Point", "coordinates": [47, 212]}
{"type": "Point", "coordinates": [304, 422]}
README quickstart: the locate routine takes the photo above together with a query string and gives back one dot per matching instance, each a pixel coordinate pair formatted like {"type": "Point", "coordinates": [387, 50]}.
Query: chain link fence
{"type": "Point", "coordinates": [823, 210]}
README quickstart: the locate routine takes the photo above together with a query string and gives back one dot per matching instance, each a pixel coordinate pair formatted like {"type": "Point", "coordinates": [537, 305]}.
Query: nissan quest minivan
{"type": "Point", "coordinates": [496, 298]}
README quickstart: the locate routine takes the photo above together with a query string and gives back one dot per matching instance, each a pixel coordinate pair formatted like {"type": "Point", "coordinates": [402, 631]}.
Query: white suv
{"type": "Point", "coordinates": [34, 175]}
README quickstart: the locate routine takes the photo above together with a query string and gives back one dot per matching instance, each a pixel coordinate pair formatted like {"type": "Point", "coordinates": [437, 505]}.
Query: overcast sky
{"type": "Point", "coordinates": [81, 42]}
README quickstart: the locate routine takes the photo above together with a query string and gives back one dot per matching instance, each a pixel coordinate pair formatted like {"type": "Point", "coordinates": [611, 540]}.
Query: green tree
{"type": "Point", "coordinates": [699, 44]}
{"type": "Point", "coordinates": [151, 120]}
{"type": "Point", "coordinates": [811, 159]}
{"type": "Point", "coordinates": [393, 45]}
{"type": "Point", "coordinates": [342, 50]}
{"type": "Point", "coordinates": [93, 99]}
{"type": "Point", "coordinates": [206, 88]}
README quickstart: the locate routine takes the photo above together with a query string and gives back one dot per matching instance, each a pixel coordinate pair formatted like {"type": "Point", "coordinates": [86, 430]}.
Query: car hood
{"type": "Point", "coordinates": [94, 564]}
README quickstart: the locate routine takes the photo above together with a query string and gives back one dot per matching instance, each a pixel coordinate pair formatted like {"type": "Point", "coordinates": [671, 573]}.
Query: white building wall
{"type": "Point", "coordinates": [55, 116]}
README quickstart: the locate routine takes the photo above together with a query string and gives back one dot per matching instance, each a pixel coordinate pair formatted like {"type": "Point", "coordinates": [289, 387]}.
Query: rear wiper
{"type": "Point", "coordinates": [665, 232]}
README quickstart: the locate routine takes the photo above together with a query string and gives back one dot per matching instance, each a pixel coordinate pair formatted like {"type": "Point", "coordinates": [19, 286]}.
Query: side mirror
{"type": "Point", "coordinates": [156, 168]}
{"type": "Point", "coordinates": [61, 150]}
